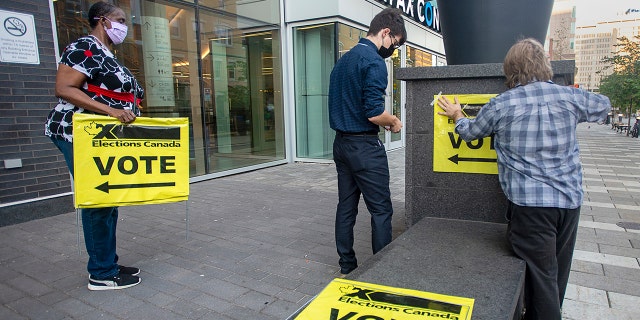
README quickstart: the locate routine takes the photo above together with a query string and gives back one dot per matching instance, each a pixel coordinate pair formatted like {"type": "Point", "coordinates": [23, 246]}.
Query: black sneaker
{"type": "Point", "coordinates": [119, 281]}
{"type": "Point", "coordinates": [128, 270]}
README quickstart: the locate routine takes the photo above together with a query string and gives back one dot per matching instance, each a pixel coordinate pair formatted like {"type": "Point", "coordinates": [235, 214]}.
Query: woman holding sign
{"type": "Point", "coordinates": [90, 79]}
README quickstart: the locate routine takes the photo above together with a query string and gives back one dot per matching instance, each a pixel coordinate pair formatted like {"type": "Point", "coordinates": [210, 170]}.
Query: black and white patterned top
{"type": "Point", "coordinates": [88, 56]}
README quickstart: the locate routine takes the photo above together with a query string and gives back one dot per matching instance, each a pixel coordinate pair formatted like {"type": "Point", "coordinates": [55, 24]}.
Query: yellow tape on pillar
{"type": "Point", "coordinates": [144, 162]}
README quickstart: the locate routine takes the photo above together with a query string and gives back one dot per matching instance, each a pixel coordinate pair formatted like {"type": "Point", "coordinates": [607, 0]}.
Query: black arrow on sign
{"type": "Point", "coordinates": [105, 187]}
{"type": "Point", "coordinates": [455, 159]}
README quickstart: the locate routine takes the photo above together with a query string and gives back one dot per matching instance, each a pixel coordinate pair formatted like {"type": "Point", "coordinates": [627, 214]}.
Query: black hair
{"type": "Point", "coordinates": [389, 18]}
{"type": "Point", "coordinates": [98, 10]}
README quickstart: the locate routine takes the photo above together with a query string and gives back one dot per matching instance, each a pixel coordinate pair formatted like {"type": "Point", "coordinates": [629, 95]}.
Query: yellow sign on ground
{"type": "Point", "coordinates": [348, 299]}
{"type": "Point", "coordinates": [144, 162]}
{"type": "Point", "coordinates": [450, 152]}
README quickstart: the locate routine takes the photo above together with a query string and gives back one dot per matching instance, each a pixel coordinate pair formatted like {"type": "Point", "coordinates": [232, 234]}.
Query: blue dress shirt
{"type": "Point", "coordinates": [535, 139]}
{"type": "Point", "coordinates": [357, 88]}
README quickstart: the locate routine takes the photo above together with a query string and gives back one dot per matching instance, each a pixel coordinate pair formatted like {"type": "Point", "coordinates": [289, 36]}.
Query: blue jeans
{"type": "Point", "coordinates": [363, 168]}
{"type": "Point", "coordinates": [99, 227]}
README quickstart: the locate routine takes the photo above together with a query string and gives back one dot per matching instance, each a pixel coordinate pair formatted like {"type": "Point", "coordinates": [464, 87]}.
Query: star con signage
{"type": "Point", "coordinates": [422, 11]}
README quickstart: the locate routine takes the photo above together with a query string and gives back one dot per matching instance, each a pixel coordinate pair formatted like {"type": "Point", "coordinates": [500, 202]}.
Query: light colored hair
{"type": "Point", "coordinates": [526, 62]}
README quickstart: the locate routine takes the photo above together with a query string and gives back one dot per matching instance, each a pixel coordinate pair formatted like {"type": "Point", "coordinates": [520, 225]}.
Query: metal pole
{"type": "Point", "coordinates": [629, 116]}
{"type": "Point", "coordinates": [186, 236]}
{"type": "Point", "coordinates": [78, 230]}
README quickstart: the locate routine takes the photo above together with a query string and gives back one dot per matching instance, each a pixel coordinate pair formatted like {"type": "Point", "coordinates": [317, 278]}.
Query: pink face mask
{"type": "Point", "coordinates": [117, 33]}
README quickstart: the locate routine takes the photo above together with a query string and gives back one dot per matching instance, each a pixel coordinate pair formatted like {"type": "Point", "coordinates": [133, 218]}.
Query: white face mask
{"type": "Point", "coordinates": [117, 33]}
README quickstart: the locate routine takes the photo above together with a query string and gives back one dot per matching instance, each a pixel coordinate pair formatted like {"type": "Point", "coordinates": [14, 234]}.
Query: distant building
{"type": "Point", "coordinates": [596, 42]}
{"type": "Point", "coordinates": [560, 42]}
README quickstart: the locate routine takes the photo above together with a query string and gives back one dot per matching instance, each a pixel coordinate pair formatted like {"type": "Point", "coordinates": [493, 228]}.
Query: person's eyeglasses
{"type": "Point", "coordinates": [394, 42]}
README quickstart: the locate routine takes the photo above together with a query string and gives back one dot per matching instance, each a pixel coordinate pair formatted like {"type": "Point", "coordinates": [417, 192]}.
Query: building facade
{"type": "Point", "coordinates": [252, 76]}
{"type": "Point", "coordinates": [560, 42]}
{"type": "Point", "coordinates": [596, 42]}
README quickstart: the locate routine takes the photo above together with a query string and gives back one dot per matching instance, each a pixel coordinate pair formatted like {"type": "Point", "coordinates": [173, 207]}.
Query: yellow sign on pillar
{"type": "Point", "coordinates": [144, 162]}
{"type": "Point", "coordinates": [450, 152]}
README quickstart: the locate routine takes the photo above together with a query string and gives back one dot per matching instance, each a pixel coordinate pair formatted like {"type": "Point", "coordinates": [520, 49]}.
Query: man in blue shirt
{"type": "Point", "coordinates": [534, 123]}
{"type": "Point", "coordinates": [356, 112]}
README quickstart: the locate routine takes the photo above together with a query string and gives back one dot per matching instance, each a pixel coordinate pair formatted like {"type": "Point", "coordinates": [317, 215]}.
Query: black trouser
{"type": "Point", "coordinates": [362, 167]}
{"type": "Point", "coordinates": [544, 238]}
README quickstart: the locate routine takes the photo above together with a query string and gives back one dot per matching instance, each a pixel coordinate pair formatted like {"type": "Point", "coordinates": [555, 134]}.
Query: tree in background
{"type": "Point", "coordinates": [560, 43]}
{"type": "Point", "coordinates": [623, 85]}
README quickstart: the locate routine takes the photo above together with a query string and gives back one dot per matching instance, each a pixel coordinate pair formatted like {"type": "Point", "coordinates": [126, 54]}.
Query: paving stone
{"type": "Point", "coordinates": [6, 313]}
{"type": "Point", "coordinates": [610, 284]}
{"type": "Point", "coordinates": [587, 246]}
{"type": "Point", "coordinates": [161, 299]}
{"type": "Point", "coordinates": [620, 251]}
{"type": "Point", "coordinates": [577, 310]}
{"type": "Point", "coordinates": [616, 272]}
{"type": "Point", "coordinates": [152, 312]}
{"type": "Point", "coordinates": [34, 309]}
{"type": "Point", "coordinates": [587, 267]}
{"type": "Point", "coordinates": [585, 294]}
{"type": "Point", "coordinates": [29, 286]}
{"type": "Point", "coordinates": [624, 302]}
{"type": "Point", "coordinates": [254, 300]}
{"type": "Point", "coordinates": [223, 289]}
{"type": "Point", "coordinates": [242, 313]}
{"type": "Point", "coordinates": [9, 294]}
{"type": "Point", "coordinates": [294, 296]}
{"type": "Point", "coordinates": [74, 307]}
{"type": "Point", "coordinates": [213, 303]}
{"type": "Point", "coordinates": [188, 309]}
{"type": "Point", "coordinates": [280, 309]}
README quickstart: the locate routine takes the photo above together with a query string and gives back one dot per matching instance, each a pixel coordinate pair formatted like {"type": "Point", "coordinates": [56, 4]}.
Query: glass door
{"type": "Point", "coordinates": [393, 102]}
{"type": "Point", "coordinates": [395, 105]}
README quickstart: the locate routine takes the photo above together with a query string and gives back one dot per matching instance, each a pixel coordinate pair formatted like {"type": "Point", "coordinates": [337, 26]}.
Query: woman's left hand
{"type": "Point", "coordinates": [125, 116]}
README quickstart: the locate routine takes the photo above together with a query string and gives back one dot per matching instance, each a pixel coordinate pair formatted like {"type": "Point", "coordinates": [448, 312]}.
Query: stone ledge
{"type": "Point", "coordinates": [28, 211]}
{"type": "Point", "coordinates": [453, 257]}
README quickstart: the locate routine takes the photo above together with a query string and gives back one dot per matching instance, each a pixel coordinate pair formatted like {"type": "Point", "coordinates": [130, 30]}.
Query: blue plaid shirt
{"type": "Point", "coordinates": [357, 88]}
{"type": "Point", "coordinates": [535, 139]}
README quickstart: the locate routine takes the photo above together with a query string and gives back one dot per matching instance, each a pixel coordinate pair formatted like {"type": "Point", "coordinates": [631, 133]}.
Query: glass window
{"type": "Point", "coordinates": [314, 59]}
{"type": "Point", "coordinates": [418, 58]}
{"type": "Point", "coordinates": [396, 94]}
{"type": "Point", "coordinates": [243, 109]}
{"type": "Point", "coordinates": [231, 90]}
{"type": "Point", "coordinates": [160, 50]}
{"type": "Point", "coordinates": [259, 10]}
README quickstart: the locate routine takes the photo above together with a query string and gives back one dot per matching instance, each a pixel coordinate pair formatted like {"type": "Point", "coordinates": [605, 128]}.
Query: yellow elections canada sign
{"type": "Point", "coordinates": [450, 152]}
{"type": "Point", "coordinates": [348, 299]}
{"type": "Point", "coordinates": [144, 162]}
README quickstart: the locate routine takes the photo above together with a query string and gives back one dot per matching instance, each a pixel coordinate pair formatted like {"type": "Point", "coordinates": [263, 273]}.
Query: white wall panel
{"type": "Point", "coordinates": [361, 12]}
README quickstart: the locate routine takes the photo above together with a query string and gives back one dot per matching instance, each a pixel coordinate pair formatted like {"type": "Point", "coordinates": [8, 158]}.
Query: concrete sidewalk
{"type": "Point", "coordinates": [261, 245]}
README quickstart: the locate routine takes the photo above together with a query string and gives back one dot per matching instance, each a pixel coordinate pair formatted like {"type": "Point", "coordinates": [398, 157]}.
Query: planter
{"type": "Point", "coordinates": [482, 31]}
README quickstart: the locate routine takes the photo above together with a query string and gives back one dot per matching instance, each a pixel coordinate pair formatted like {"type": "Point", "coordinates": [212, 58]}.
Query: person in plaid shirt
{"type": "Point", "coordinates": [534, 123]}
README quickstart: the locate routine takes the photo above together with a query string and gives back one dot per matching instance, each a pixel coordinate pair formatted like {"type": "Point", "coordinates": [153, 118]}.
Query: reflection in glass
{"type": "Point", "coordinates": [314, 58]}
{"type": "Point", "coordinates": [231, 90]}
{"type": "Point", "coordinates": [418, 58]}
{"type": "Point", "coordinates": [243, 109]}
{"type": "Point", "coordinates": [396, 107]}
